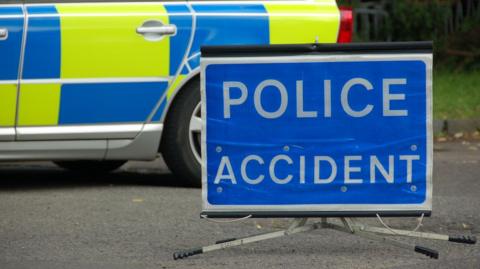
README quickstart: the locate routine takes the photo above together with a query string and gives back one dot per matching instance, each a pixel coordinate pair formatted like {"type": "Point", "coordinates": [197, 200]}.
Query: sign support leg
{"type": "Point", "coordinates": [298, 226]}
{"type": "Point", "coordinates": [465, 239]}
{"type": "Point", "coordinates": [350, 226]}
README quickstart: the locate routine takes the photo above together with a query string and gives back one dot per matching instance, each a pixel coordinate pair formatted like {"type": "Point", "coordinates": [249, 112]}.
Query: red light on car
{"type": "Point", "coordinates": [345, 32]}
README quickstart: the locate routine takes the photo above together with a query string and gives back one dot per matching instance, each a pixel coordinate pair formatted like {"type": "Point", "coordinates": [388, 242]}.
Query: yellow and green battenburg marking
{"type": "Point", "coordinates": [99, 41]}
{"type": "Point", "coordinates": [8, 103]}
{"type": "Point", "coordinates": [306, 25]}
{"type": "Point", "coordinates": [43, 102]}
{"type": "Point", "coordinates": [294, 23]}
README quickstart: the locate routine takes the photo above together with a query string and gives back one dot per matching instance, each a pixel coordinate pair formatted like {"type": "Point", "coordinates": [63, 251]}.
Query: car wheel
{"type": "Point", "coordinates": [90, 166]}
{"type": "Point", "coordinates": [182, 135]}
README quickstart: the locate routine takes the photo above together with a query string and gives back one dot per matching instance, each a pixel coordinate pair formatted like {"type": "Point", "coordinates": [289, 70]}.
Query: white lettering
{"type": "Point", "coordinates": [283, 99]}
{"type": "Point", "coordinates": [327, 101]}
{"type": "Point", "coordinates": [302, 169]}
{"type": "Point", "coordinates": [225, 162]}
{"type": "Point", "coordinates": [227, 101]}
{"type": "Point", "coordinates": [300, 112]}
{"type": "Point", "coordinates": [333, 173]}
{"type": "Point", "coordinates": [348, 169]}
{"type": "Point", "coordinates": [387, 97]}
{"type": "Point", "coordinates": [409, 159]}
{"type": "Point", "coordinates": [320, 174]}
{"type": "Point", "coordinates": [271, 169]}
{"type": "Point", "coordinates": [344, 97]}
{"type": "Point", "coordinates": [375, 163]}
{"type": "Point", "coordinates": [243, 169]}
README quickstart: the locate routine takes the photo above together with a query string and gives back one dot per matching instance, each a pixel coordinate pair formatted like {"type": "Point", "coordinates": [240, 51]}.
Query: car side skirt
{"type": "Point", "coordinates": [143, 147]}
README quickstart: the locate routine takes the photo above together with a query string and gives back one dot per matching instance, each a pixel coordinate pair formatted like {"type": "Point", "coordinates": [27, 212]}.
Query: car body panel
{"type": "Point", "coordinates": [98, 39]}
{"type": "Point", "coordinates": [289, 22]}
{"type": "Point", "coordinates": [8, 103]}
{"type": "Point", "coordinates": [305, 26]}
{"type": "Point", "coordinates": [86, 73]}
{"type": "Point", "coordinates": [80, 67]}
{"type": "Point", "coordinates": [11, 20]}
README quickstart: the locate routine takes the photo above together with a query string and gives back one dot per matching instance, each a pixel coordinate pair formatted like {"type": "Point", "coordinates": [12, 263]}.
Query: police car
{"type": "Point", "coordinates": [92, 85]}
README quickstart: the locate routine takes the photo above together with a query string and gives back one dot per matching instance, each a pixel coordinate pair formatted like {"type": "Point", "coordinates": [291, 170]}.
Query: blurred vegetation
{"type": "Point", "coordinates": [456, 95]}
{"type": "Point", "coordinates": [457, 45]}
{"type": "Point", "coordinates": [453, 25]}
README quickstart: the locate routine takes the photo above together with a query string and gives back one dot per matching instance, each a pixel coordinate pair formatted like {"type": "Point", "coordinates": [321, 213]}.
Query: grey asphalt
{"type": "Point", "coordinates": [138, 216]}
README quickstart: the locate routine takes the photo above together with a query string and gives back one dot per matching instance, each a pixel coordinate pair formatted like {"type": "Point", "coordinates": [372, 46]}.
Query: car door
{"type": "Point", "coordinates": [11, 35]}
{"type": "Point", "coordinates": [98, 70]}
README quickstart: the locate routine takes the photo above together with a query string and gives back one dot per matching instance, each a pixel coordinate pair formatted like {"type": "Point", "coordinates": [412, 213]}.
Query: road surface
{"type": "Point", "coordinates": [138, 216]}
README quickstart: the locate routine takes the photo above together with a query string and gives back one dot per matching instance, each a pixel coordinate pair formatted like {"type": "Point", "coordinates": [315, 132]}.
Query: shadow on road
{"type": "Point", "coordinates": [24, 177]}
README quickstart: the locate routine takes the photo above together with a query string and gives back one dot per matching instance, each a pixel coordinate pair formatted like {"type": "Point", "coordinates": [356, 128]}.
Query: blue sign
{"type": "Point", "coordinates": [317, 133]}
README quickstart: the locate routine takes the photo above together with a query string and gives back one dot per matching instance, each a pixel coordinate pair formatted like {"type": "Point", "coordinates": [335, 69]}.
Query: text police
{"type": "Point", "coordinates": [388, 97]}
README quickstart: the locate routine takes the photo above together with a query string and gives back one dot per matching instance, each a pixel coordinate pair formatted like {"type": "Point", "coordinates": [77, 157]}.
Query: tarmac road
{"type": "Point", "coordinates": [138, 216]}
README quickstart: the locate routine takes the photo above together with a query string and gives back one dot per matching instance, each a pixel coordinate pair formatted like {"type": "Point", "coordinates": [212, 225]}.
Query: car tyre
{"type": "Point", "coordinates": [180, 145]}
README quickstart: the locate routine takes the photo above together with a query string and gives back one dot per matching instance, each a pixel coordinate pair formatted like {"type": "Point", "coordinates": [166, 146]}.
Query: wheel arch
{"type": "Point", "coordinates": [190, 78]}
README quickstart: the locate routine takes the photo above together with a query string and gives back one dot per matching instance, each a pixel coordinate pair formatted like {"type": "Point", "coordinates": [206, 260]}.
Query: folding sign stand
{"type": "Point", "coordinates": [350, 225]}
{"type": "Point", "coordinates": [335, 134]}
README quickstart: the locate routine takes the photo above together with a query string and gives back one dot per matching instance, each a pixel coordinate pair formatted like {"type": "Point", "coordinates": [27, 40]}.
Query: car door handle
{"type": "Point", "coordinates": [3, 33]}
{"type": "Point", "coordinates": [160, 30]}
{"type": "Point", "coordinates": [154, 30]}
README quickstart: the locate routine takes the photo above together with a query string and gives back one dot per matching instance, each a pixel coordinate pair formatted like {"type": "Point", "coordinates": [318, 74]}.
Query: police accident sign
{"type": "Point", "coordinates": [338, 129]}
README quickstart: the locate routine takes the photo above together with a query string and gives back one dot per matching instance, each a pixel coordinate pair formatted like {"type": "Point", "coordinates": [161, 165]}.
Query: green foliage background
{"type": "Point", "coordinates": [457, 43]}
{"type": "Point", "coordinates": [456, 78]}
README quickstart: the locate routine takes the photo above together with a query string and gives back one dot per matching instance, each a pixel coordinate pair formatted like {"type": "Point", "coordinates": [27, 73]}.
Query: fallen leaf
{"type": "Point", "coordinates": [442, 139]}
